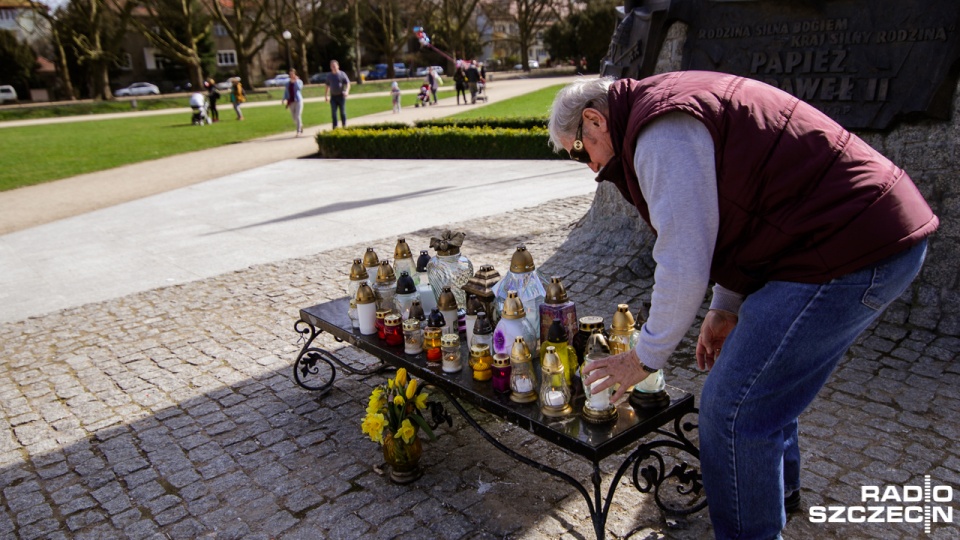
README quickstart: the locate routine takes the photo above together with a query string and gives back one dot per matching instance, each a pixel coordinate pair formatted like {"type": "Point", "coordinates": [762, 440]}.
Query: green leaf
{"type": "Point", "coordinates": [423, 425]}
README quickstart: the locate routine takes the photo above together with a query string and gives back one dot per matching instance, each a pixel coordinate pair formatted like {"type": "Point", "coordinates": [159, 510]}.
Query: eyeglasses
{"type": "Point", "coordinates": [577, 151]}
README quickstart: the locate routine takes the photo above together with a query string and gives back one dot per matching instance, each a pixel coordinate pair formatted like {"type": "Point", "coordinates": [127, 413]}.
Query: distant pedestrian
{"type": "Point", "coordinates": [237, 97]}
{"type": "Point", "coordinates": [473, 80]}
{"type": "Point", "coordinates": [460, 82]}
{"type": "Point", "coordinates": [293, 100]}
{"type": "Point", "coordinates": [395, 96]}
{"type": "Point", "coordinates": [338, 88]}
{"type": "Point", "coordinates": [434, 80]}
{"type": "Point", "coordinates": [582, 66]}
{"type": "Point", "coordinates": [213, 94]}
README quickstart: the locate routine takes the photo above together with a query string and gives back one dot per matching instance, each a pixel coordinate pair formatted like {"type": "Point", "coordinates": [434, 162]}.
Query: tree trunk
{"type": "Point", "coordinates": [100, 79]}
{"type": "Point", "coordinates": [64, 72]}
{"type": "Point", "coordinates": [196, 75]}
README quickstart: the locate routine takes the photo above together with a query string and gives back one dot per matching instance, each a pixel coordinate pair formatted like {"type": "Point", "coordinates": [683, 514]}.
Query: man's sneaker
{"type": "Point", "coordinates": [791, 502]}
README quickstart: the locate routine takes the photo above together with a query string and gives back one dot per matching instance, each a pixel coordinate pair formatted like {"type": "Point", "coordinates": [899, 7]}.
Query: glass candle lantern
{"type": "Point", "coordinates": [513, 323]}
{"type": "Point", "coordinates": [450, 267]}
{"type": "Point", "coordinates": [500, 376]}
{"type": "Point", "coordinates": [623, 332]}
{"type": "Point", "coordinates": [381, 323]}
{"type": "Point", "coordinates": [447, 304]}
{"type": "Point", "coordinates": [392, 332]}
{"type": "Point", "coordinates": [523, 379]}
{"type": "Point", "coordinates": [431, 344]}
{"type": "Point", "coordinates": [481, 285]}
{"type": "Point", "coordinates": [598, 408]}
{"type": "Point", "coordinates": [481, 362]}
{"type": "Point", "coordinates": [555, 392]}
{"type": "Point", "coordinates": [482, 331]}
{"type": "Point", "coordinates": [557, 338]}
{"type": "Point", "coordinates": [403, 260]}
{"type": "Point", "coordinates": [473, 307]}
{"type": "Point", "coordinates": [450, 348]}
{"type": "Point", "coordinates": [427, 296]}
{"type": "Point", "coordinates": [524, 278]}
{"type": "Point", "coordinates": [366, 301]}
{"type": "Point", "coordinates": [405, 295]}
{"type": "Point", "coordinates": [557, 306]}
{"type": "Point", "coordinates": [386, 286]}
{"type": "Point", "coordinates": [412, 337]}
{"type": "Point", "coordinates": [416, 312]}
{"type": "Point", "coordinates": [372, 264]}
{"type": "Point", "coordinates": [358, 275]}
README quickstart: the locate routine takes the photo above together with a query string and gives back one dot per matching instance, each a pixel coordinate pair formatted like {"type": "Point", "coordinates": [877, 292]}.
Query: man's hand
{"type": "Point", "coordinates": [621, 368]}
{"type": "Point", "coordinates": [716, 326]}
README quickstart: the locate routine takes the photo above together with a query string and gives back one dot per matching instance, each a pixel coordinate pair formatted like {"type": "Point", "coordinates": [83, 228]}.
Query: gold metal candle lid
{"type": "Point", "coordinates": [522, 260]}
{"type": "Point", "coordinates": [556, 294]}
{"type": "Point", "coordinates": [385, 273]}
{"type": "Point", "coordinates": [551, 362]}
{"type": "Point", "coordinates": [449, 243]}
{"type": "Point", "coordinates": [411, 325]}
{"type": "Point", "coordinates": [591, 323]}
{"type": "Point", "coordinates": [597, 346]}
{"type": "Point", "coordinates": [365, 294]}
{"type": "Point", "coordinates": [402, 251]}
{"type": "Point", "coordinates": [447, 301]}
{"type": "Point", "coordinates": [481, 284]}
{"type": "Point", "coordinates": [479, 350]}
{"type": "Point", "coordinates": [513, 306]}
{"type": "Point", "coordinates": [450, 340]}
{"type": "Point", "coordinates": [382, 314]}
{"type": "Point", "coordinates": [370, 258]}
{"type": "Point", "coordinates": [501, 360]}
{"type": "Point", "coordinates": [519, 353]}
{"type": "Point", "coordinates": [622, 320]}
{"type": "Point", "coordinates": [358, 271]}
{"type": "Point", "coordinates": [392, 320]}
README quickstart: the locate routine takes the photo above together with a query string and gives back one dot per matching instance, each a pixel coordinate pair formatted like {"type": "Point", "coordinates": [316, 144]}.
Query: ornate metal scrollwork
{"type": "Point", "coordinates": [652, 477]}
{"type": "Point", "coordinates": [318, 364]}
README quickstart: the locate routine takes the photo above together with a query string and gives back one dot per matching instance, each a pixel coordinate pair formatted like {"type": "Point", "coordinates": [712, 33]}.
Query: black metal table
{"type": "Point", "coordinates": [315, 369]}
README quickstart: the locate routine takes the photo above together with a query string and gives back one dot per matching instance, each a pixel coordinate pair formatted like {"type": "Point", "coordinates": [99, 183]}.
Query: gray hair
{"type": "Point", "coordinates": [568, 106]}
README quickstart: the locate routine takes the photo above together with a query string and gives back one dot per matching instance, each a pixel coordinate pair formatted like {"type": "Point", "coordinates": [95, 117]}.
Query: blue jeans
{"type": "Point", "coordinates": [787, 342]}
{"type": "Point", "coordinates": [338, 102]}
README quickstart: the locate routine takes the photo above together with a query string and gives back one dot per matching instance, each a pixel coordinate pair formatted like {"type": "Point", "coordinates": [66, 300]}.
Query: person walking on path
{"type": "Point", "coordinates": [460, 82]}
{"type": "Point", "coordinates": [807, 232]}
{"type": "Point", "coordinates": [213, 94]}
{"type": "Point", "coordinates": [237, 97]}
{"type": "Point", "coordinates": [395, 96]}
{"type": "Point", "coordinates": [338, 88]}
{"type": "Point", "coordinates": [434, 80]}
{"type": "Point", "coordinates": [293, 100]}
{"type": "Point", "coordinates": [473, 80]}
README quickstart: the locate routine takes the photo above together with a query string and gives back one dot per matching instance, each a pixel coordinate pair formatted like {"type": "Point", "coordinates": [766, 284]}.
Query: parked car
{"type": "Point", "coordinates": [532, 63]}
{"type": "Point", "coordinates": [422, 72]}
{"type": "Point", "coordinates": [318, 78]}
{"type": "Point", "coordinates": [280, 80]}
{"type": "Point", "coordinates": [379, 71]}
{"type": "Point", "coordinates": [138, 89]}
{"type": "Point", "coordinates": [224, 86]}
{"type": "Point", "coordinates": [7, 94]}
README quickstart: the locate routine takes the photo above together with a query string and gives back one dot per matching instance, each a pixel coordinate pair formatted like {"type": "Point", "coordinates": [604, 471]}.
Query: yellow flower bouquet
{"type": "Point", "coordinates": [395, 410]}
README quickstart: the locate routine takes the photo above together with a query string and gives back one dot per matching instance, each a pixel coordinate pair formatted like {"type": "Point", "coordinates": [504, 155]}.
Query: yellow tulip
{"type": "Point", "coordinates": [411, 388]}
{"type": "Point", "coordinates": [390, 383]}
{"type": "Point", "coordinates": [401, 377]}
{"type": "Point", "coordinates": [407, 431]}
{"type": "Point", "coordinates": [398, 400]}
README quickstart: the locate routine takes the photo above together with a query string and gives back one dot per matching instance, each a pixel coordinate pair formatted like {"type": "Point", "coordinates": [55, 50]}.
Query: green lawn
{"type": "Point", "coordinates": [36, 154]}
{"type": "Point", "coordinates": [532, 104]}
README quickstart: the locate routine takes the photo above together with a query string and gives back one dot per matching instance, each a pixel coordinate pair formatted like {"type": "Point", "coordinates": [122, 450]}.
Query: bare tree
{"type": "Point", "coordinates": [299, 17]}
{"type": "Point", "coordinates": [529, 16]}
{"type": "Point", "coordinates": [59, 47]}
{"type": "Point", "coordinates": [246, 24]}
{"type": "Point", "coordinates": [389, 28]}
{"type": "Point", "coordinates": [97, 28]}
{"type": "Point", "coordinates": [454, 26]}
{"type": "Point", "coordinates": [177, 27]}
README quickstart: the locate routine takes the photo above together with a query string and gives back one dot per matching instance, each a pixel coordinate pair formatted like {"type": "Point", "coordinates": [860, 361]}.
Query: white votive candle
{"type": "Point", "coordinates": [554, 398]}
{"type": "Point", "coordinates": [523, 385]}
{"type": "Point", "coordinates": [599, 400]}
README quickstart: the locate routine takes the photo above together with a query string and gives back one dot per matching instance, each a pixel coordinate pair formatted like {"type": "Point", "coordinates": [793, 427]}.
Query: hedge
{"type": "Point", "coordinates": [528, 122]}
{"type": "Point", "coordinates": [450, 142]}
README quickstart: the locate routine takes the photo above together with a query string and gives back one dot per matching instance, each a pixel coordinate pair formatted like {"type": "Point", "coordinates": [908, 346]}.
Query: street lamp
{"type": "Point", "coordinates": [286, 37]}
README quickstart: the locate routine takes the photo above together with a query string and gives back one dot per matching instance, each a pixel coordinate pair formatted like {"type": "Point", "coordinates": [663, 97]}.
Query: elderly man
{"type": "Point", "coordinates": [806, 231]}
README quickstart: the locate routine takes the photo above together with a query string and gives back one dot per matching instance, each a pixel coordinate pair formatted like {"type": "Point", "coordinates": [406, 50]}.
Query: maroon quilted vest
{"type": "Point", "coordinates": [801, 198]}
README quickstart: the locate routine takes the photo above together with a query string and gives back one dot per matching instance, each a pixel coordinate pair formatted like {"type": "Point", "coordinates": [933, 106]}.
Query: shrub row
{"type": "Point", "coordinates": [528, 122]}
{"type": "Point", "coordinates": [448, 142]}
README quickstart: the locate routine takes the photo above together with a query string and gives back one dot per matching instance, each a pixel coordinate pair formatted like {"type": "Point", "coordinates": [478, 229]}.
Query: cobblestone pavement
{"type": "Point", "coordinates": [173, 414]}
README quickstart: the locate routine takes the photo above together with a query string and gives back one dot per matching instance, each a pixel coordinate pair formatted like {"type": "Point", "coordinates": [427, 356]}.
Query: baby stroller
{"type": "Point", "coordinates": [199, 105]}
{"type": "Point", "coordinates": [423, 98]}
{"type": "Point", "coordinates": [481, 87]}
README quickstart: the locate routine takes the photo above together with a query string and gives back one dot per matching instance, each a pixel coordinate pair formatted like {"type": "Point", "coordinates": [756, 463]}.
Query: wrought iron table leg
{"type": "Point", "coordinates": [308, 363]}
{"type": "Point", "coordinates": [599, 514]}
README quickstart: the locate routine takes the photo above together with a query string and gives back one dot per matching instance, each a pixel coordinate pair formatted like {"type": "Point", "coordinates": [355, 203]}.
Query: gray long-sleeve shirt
{"type": "Point", "coordinates": [674, 160]}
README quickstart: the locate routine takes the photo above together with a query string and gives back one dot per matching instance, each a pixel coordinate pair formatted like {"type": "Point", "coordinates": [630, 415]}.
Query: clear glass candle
{"type": "Point", "coordinates": [450, 347]}
{"type": "Point", "coordinates": [412, 337]}
{"type": "Point", "coordinates": [431, 343]}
